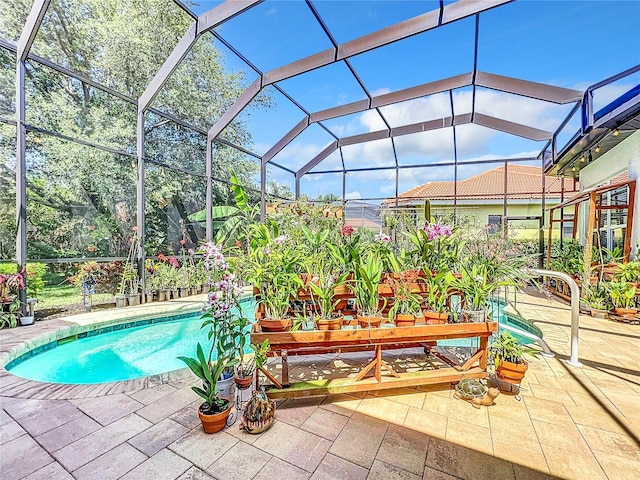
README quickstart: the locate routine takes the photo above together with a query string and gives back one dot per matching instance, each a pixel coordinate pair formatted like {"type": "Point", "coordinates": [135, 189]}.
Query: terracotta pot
{"type": "Point", "coordinates": [243, 382]}
{"type": "Point", "coordinates": [385, 290]}
{"type": "Point", "coordinates": [405, 320]}
{"type": "Point", "coordinates": [329, 323]}
{"type": "Point", "coordinates": [275, 324]}
{"type": "Point", "coordinates": [511, 372]}
{"type": "Point", "coordinates": [342, 290]}
{"type": "Point", "coordinates": [435, 318]}
{"type": "Point", "coordinates": [626, 312]}
{"type": "Point", "coordinates": [216, 422]}
{"type": "Point", "coordinates": [366, 322]}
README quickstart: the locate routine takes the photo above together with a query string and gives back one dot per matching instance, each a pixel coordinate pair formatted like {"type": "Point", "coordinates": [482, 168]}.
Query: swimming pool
{"type": "Point", "coordinates": [143, 348]}
{"type": "Point", "coordinates": [124, 354]}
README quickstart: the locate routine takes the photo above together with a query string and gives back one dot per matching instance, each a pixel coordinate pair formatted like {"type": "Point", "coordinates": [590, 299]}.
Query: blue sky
{"type": "Point", "coordinates": [570, 44]}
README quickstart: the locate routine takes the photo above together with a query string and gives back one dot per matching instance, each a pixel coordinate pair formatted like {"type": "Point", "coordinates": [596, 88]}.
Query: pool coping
{"type": "Point", "coordinates": [18, 341]}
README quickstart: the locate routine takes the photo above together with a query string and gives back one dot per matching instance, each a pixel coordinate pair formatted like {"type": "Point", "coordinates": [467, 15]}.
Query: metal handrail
{"type": "Point", "coordinates": [546, 351]}
{"type": "Point", "coordinates": [575, 310]}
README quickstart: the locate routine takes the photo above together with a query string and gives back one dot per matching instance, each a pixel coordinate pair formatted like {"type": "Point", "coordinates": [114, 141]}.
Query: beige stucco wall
{"type": "Point", "coordinates": [515, 208]}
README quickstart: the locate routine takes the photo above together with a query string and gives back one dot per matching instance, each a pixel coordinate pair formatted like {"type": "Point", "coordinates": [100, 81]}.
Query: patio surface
{"type": "Point", "coordinates": [575, 423]}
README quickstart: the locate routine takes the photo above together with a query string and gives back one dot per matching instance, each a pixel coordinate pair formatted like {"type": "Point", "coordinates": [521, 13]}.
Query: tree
{"type": "Point", "coordinates": [81, 197]}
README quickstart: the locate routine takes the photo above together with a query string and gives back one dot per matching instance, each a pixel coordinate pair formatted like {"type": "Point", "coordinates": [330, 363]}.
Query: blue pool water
{"type": "Point", "coordinates": [121, 355]}
{"type": "Point", "coordinates": [146, 350]}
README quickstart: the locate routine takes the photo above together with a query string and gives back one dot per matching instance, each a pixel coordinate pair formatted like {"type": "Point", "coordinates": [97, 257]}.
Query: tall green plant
{"type": "Point", "coordinates": [229, 220]}
{"type": "Point", "coordinates": [368, 276]}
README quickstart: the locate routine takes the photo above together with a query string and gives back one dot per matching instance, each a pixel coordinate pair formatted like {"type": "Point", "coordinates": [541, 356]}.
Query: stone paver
{"type": "Point", "coordinates": [101, 441]}
{"type": "Point", "coordinates": [293, 445]}
{"type": "Point", "coordinates": [570, 423]}
{"type": "Point", "coordinates": [241, 462]}
{"type": "Point", "coordinates": [68, 433]}
{"type": "Point", "coordinates": [335, 468]}
{"type": "Point", "coordinates": [164, 465]}
{"type": "Point", "coordinates": [359, 440]}
{"type": "Point", "coordinates": [111, 465]}
{"type": "Point", "coordinates": [52, 471]}
{"type": "Point", "coordinates": [106, 410]}
{"type": "Point", "coordinates": [202, 449]}
{"type": "Point", "coordinates": [158, 436]}
{"type": "Point", "coordinates": [22, 456]}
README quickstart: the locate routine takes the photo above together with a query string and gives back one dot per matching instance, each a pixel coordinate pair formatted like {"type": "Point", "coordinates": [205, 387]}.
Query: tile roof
{"type": "Point", "coordinates": [524, 182]}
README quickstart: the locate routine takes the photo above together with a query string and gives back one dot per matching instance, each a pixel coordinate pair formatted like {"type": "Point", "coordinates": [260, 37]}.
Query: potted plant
{"type": "Point", "coordinates": [509, 357]}
{"type": "Point", "coordinates": [273, 269]}
{"type": "Point", "coordinates": [224, 327]}
{"type": "Point", "coordinates": [368, 276]}
{"type": "Point", "coordinates": [435, 312]}
{"type": "Point", "coordinates": [476, 286]}
{"type": "Point", "coordinates": [623, 296]}
{"type": "Point", "coordinates": [322, 290]}
{"type": "Point", "coordinates": [598, 299]}
{"type": "Point", "coordinates": [406, 304]}
{"type": "Point", "coordinates": [129, 284]}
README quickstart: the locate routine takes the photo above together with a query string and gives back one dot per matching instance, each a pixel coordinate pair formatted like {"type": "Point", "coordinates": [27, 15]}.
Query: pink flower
{"type": "Point", "coordinates": [190, 251]}
{"type": "Point", "coordinates": [382, 237]}
{"type": "Point", "coordinates": [347, 231]}
{"type": "Point", "coordinates": [182, 242]}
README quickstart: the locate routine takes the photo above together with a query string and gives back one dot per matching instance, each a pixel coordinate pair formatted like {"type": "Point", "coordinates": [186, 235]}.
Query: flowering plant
{"type": "Point", "coordinates": [436, 246]}
{"type": "Point", "coordinates": [224, 323]}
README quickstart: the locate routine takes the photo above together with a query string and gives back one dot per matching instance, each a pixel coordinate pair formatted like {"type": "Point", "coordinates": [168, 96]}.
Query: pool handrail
{"type": "Point", "coordinates": [546, 351]}
{"type": "Point", "coordinates": [575, 310]}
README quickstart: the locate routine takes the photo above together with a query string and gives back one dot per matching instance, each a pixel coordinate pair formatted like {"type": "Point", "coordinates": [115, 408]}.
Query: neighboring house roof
{"type": "Point", "coordinates": [524, 182]}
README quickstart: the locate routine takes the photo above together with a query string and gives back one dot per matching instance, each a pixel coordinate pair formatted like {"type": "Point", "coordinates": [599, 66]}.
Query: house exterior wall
{"type": "Point", "coordinates": [481, 210]}
{"type": "Point", "coordinates": [624, 157]}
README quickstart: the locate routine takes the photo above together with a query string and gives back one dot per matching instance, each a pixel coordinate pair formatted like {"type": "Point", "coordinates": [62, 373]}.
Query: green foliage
{"type": "Point", "coordinates": [231, 220]}
{"type": "Point", "coordinates": [368, 276]}
{"type": "Point", "coordinates": [438, 284]}
{"type": "Point", "coordinates": [260, 351]}
{"type": "Point", "coordinates": [81, 197]}
{"type": "Point", "coordinates": [623, 294]}
{"type": "Point", "coordinates": [9, 318]}
{"type": "Point", "coordinates": [507, 347]}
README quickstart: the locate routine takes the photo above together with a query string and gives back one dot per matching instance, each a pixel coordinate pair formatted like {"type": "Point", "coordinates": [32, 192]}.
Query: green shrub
{"type": "Point", "coordinates": [35, 276]}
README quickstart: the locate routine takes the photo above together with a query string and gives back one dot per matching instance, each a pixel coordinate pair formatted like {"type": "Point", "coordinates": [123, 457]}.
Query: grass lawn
{"type": "Point", "coordinates": [61, 296]}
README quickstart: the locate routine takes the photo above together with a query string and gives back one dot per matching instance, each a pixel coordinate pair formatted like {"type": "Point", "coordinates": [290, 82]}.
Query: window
{"type": "Point", "coordinates": [495, 223]}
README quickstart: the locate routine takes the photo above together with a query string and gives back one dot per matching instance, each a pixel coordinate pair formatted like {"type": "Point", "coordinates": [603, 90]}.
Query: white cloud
{"type": "Point", "coordinates": [355, 195]}
{"type": "Point", "coordinates": [473, 142]}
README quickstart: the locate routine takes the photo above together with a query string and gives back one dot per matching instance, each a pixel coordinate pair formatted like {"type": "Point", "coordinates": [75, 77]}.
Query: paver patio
{"type": "Point", "coordinates": [570, 422]}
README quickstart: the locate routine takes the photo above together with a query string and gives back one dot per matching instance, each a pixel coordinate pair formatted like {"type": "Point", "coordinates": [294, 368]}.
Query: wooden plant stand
{"type": "Point", "coordinates": [317, 342]}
